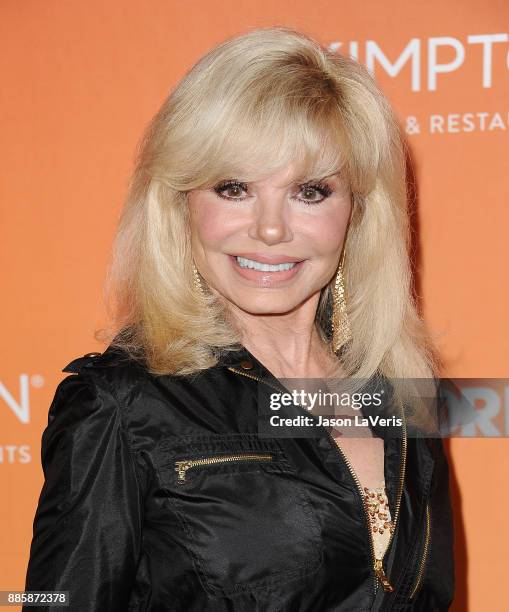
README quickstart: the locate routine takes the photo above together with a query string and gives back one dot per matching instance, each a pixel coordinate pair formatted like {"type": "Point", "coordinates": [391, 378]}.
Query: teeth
{"type": "Point", "coordinates": [263, 267]}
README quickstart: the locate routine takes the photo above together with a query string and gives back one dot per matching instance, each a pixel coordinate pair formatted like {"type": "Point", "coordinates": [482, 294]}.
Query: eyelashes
{"type": "Point", "coordinates": [230, 184]}
{"type": "Point", "coordinates": [318, 187]}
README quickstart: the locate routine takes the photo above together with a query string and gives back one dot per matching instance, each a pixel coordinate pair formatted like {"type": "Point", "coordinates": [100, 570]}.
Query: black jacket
{"type": "Point", "coordinates": [121, 528]}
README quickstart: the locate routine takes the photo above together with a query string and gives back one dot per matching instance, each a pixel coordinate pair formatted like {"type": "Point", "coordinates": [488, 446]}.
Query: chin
{"type": "Point", "coordinates": [265, 304]}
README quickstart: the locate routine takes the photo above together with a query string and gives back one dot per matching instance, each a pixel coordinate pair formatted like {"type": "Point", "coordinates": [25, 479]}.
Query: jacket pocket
{"type": "Point", "coordinates": [184, 465]}
{"type": "Point", "coordinates": [245, 516]}
{"type": "Point", "coordinates": [424, 554]}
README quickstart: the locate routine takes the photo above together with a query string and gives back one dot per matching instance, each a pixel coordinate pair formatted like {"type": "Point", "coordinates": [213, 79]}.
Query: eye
{"type": "Point", "coordinates": [230, 190]}
{"type": "Point", "coordinates": [311, 190]}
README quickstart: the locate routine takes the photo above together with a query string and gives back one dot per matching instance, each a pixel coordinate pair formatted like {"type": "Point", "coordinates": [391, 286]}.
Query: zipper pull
{"type": "Point", "coordinates": [382, 576]}
{"type": "Point", "coordinates": [182, 467]}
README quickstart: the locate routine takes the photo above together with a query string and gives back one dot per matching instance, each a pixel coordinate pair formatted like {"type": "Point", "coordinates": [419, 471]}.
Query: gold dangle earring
{"type": "Point", "coordinates": [341, 332]}
{"type": "Point", "coordinates": [197, 280]}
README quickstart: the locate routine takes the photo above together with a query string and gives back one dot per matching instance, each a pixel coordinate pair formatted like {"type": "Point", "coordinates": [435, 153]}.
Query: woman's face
{"type": "Point", "coordinates": [271, 245]}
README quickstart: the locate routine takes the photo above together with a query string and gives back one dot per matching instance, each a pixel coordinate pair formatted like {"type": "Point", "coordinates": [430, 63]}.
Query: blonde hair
{"type": "Point", "coordinates": [250, 106]}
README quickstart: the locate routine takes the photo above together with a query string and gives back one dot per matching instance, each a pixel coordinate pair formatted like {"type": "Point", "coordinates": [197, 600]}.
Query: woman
{"type": "Point", "coordinates": [264, 237]}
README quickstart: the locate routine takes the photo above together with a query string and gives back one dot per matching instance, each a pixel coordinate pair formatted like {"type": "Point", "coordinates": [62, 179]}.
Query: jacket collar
{"type": "Point", "coordinates": [241, 359]}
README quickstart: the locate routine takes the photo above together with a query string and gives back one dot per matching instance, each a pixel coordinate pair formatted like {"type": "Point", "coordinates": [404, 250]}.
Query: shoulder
{"type": "Point", "coordinates": [96, 397]}
{"type": "Point", "coordinates": [112, 372]}
{"type": "Point", "coordinates": [112, 357]}
{"type": "Point", "coordinates": [114, 382]}
{"type": "Point", "coordinates": [93, 400]}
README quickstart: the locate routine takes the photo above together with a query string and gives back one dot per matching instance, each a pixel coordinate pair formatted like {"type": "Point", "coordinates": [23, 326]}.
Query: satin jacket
{"type": "Point", "coordinates": [256, 524]}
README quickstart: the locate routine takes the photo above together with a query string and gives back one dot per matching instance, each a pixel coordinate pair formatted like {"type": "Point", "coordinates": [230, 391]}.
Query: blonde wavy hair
{"type": "Point", "coordinates": [250, 106]}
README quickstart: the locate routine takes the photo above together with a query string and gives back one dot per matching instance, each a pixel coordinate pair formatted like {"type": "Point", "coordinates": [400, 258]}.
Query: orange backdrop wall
{"type": "Point", "coordinates": [80, 80]}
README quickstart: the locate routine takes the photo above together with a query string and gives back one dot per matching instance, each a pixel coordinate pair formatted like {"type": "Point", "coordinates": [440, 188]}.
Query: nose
{"type": "Point", "coordinates": [270, 223]}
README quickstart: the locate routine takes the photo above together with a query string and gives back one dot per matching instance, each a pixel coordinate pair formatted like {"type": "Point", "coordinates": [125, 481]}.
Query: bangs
{"type": "Point", "coordinates": [253, 150]}
{"type": "Point", "coordinates": [258, 140]}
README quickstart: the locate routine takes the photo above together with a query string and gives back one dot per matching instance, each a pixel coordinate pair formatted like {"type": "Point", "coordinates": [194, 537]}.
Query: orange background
{"type": "Point", "coordinates": [80, 80]}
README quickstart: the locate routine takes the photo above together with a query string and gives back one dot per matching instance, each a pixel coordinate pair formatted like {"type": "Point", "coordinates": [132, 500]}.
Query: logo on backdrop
{"type": "Point", "coordinates": [15, 406]}
{"type": "Point", "coordinates": [460, 53]}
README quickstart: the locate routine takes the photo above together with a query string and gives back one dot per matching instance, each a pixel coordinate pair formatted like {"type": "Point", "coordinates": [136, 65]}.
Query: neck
{"type": "Point", "coordinates": [288, 344]}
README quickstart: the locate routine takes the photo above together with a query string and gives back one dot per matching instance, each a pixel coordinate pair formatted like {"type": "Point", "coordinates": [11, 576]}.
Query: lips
{"type": "Point", "coordinates": [269, 259]}
{"type": "Point", "coordinates": [267, 276]}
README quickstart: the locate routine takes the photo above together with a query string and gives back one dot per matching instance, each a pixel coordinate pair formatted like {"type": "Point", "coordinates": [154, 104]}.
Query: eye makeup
{"type": "Point", "coordinates": [320, 187]}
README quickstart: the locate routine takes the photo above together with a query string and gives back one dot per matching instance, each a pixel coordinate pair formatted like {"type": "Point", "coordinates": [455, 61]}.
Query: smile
{"type": "Point", "coordinates": [264, 267]}
{"type": "Point", "coordinates": [274, 271]}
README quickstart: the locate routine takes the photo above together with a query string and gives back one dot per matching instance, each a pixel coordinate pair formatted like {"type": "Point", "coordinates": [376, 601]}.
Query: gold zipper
{"type": "Point", "coordinates": [380, 574]}
{"type": "Point", "coordinates": [425, 552]}
{"type": "Point", "coordinates": [252, 376]}
{"type": "Point", "coordinates": [186, 464]}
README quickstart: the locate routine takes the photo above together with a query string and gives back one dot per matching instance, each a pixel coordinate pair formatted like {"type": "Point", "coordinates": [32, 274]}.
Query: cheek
{"type": "Point", "coordinates": [210, 225]}
{"type": "Point", "coordinates": [327, 232]}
